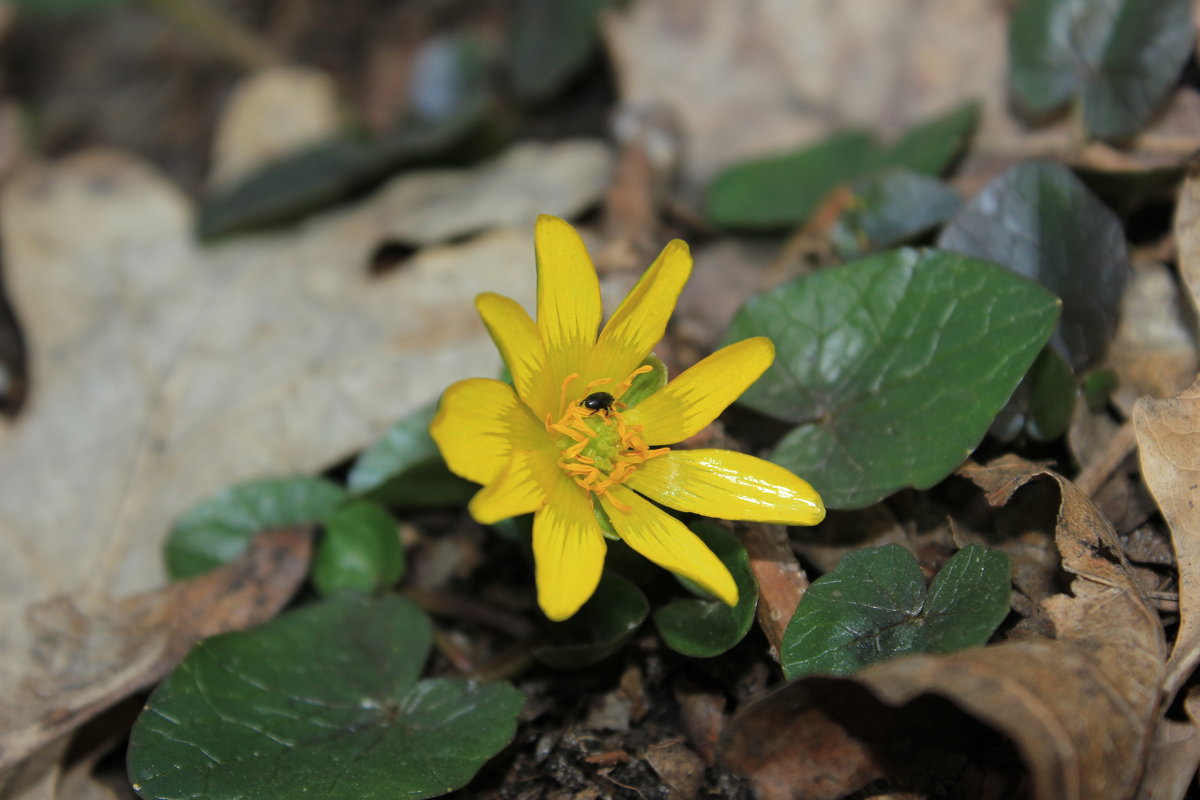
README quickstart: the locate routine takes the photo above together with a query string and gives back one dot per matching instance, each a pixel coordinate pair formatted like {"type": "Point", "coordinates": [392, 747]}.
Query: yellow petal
{"type": "Point", "coordinates": [728, 485]}
{"type": "Point", "coordinates": [520, 345]}
{"type": "Point", "coordinates": [521, 488]}
{"type": "Point", "coordinates": [568, 303]}
{"type": "Point", "coordinates": [568, 551]}
{"type": "Point", "coordinates": [479, 423]}
{"type": "Point", "coordinates": [640, 321]}
{"type": "Point", "coordinates": [699, 394]}
{"type": "Point", "coordinates": [667, 542]}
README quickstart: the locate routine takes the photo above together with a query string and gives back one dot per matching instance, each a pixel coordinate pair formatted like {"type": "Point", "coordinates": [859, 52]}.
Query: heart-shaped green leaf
{"type": "Point", "coordinates": [322, 703]}
{"type": "Point", "coordinates": [600, 628]}
{"type": "Point", "coordinates": [217, 530]}
{"type": "Point", "coordinates": [1040, 221]}
{"type": "Point", "coordinates": [781, 191]}
{"type": "Point", "coordinates": [889, 208]}
{"type": "Point", "coordinates": [1119, 57]}
{"type": "Point", "coordinates": [892, 366]}
{"type": "Point", "coordinates": [704, 627]}
{"type": "Point", "coordinates": [404, 469]}
{"type": "Point", "coordinates": [874, 606]}
{"type": "Point", "coordinates": [360, 551]}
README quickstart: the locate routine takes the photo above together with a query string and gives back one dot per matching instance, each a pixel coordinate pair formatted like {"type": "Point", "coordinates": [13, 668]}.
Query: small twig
{"type": "Point", "coordinates": [781, 580]}
{"type": "Point", "coordinates": [219, 31]}
{"type": "Point", "coordinates": [446, 604]}
{"type": "Point", "coordinates": [1119, 447]}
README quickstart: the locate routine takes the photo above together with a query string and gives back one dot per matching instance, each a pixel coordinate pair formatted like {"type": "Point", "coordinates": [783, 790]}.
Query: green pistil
{"type": "Point", "coordinates": [604, 448]}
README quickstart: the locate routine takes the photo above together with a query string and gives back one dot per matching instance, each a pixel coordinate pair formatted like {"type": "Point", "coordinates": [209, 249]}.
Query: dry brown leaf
{"type": "Point", "coordinates": [1168, 435]}
{"type": "Point", "coordinates": [1174, 755]}
{"type": "Point", "coordinates": [801, 69]}
{"type": "Point", "coordinates": [1153, 351]}
{"type": "Point", "coordinates": [87, 663]}
{"type": "Point", "coordinates": [1079, 709]}
{"type": "Point", "coordinates": [1187, 235]}
{"type": "Point", "coordinates": [277, 112]}
{"type": "Point", "coordinates": [781, 579]}
{"type": "Point", "coordinates": [165, 372]}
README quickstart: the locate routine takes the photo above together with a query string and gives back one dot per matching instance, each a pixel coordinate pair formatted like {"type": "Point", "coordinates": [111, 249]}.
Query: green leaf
{"type": "Point", "coordinates": [932, 147]}
{"type": "Point", "coordinates": [359, 552]}
{"type": "Point", "coordinates": [599, 629]}
{"type": "Point", "coordinates": [405, 469]}
{"type": "Point", "coordinates": [889, 208]}
{"type": "Point", "coordinates": [892, 366]}
{"type": "Point", "coordinates": [782, 191]}
{"type": "Point", "coordinates": [332, 171]}
{"type": "Point", "coordinates": [1051, 401]}
{"type": "Point", "coordinates": [874, 606]}
{"type": "Point", "coordinates": [1120, 58]}
{"type": "Point", "coordinates": [217, 530]}
{"type": "Point", "coordinates": [322, 703]}
{"type": "Point", "coordinates": [705, 627]}
{"type": "Point", "coordinates": [1040, 221]}
{"type": "Point", "coordinates": [552, 42]}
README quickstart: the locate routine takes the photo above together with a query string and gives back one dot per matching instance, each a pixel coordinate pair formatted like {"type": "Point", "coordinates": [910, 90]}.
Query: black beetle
{"type": "Point", "coordinates": [597, 401]}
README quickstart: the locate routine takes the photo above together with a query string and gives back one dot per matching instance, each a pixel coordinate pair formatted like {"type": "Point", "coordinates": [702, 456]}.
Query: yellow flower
{"type": "Point", "coordinates": [559, 442]}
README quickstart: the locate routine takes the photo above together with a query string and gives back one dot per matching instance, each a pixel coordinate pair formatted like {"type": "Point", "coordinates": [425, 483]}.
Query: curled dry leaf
{"type": "Point", "coordinates": [91, 660]}
{"type": "Point", "coordinates": [1079, 709]}
{"type": "Point", "coordinates": [1168, 436]}
{"type": "Point", "coordinates": [781, 579]}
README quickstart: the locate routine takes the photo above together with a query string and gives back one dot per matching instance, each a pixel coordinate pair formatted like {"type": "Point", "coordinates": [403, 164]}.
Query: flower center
{"type": "Point", "coordinates": [598, 449]}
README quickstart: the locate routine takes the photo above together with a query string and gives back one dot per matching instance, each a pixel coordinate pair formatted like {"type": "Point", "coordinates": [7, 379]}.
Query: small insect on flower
{"type": "Point", "coordinates": [598, 401]}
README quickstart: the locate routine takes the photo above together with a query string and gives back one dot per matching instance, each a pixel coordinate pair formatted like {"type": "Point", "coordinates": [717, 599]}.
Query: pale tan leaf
{"type": "Point", "coordinates": [1168, 435]}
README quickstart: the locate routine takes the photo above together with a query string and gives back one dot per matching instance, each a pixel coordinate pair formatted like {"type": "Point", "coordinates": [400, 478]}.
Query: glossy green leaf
{"type": "Point", "coordinates": [892, 366]}
{"type": "Point", "coordinates": [705, 627]}
{"type": "Point", "coordinates": [217, 530]}
{"type": "Point", "coordinates": [405, 469]}
{"type": "Point", "coordinates": [443, 121]}
{"type": "Point", "coordinates": [360, 551]}
{"type": "Point", "coordinates": [321, 703]}
{"type": "Point", "coordinates": [1040, 221]}
{"type": "Point", "coordinates": [600, 628]}
{"type": "Point", "coordinates": [889, 208]}
{"type": "Point", "coordinates": [552, 42]}
{"type": "Point", "coordinates": [874, 606]}
{"type": "Point", "coordinates": [782, 191]}
{"type": "Point", "coordinates": [1119, 58]}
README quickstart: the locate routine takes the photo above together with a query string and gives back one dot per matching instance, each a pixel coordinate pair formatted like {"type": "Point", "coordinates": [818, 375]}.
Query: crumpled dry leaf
{"type": "Point", "coordinates": [1168, 436]}
{"type": "Point", "coordinates": [87, 663]}
{"type": "Point", "coordinates": [1153, 351]}
{"type": "Point", "coordinates": [1079, 709]}
{"type": "Point", "coordinates": [165, 372]}
{"type": "Point", "coordinates": [276, 112]}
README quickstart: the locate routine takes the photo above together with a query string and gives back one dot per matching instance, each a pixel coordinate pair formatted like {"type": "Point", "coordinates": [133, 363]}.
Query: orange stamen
{"type": "Point", "coordinates": [642, 370]}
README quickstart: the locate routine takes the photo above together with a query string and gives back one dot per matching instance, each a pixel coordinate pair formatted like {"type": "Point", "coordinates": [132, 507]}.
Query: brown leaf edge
{"type": "Point", "coordinates": [90, 662]}
{"type": "Point", "coordinates": [1079, 710]}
